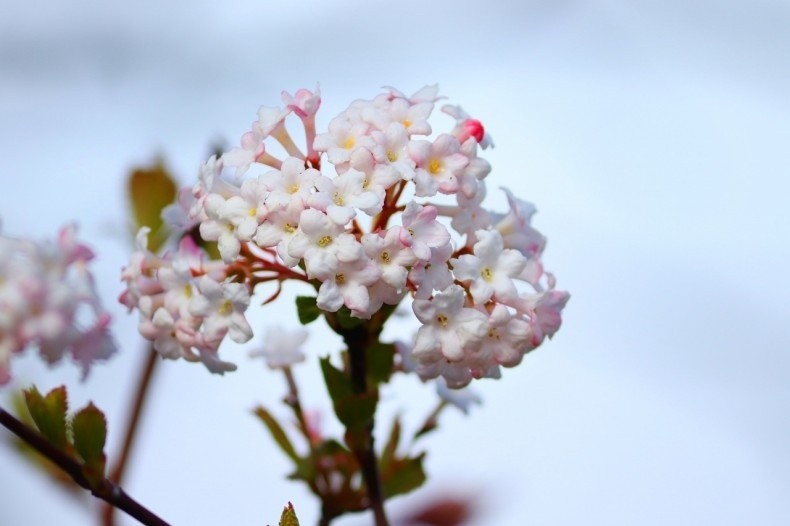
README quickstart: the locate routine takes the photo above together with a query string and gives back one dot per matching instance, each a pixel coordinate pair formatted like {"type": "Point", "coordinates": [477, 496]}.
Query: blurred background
{"type": "Point", "coordinates": [653, 137]}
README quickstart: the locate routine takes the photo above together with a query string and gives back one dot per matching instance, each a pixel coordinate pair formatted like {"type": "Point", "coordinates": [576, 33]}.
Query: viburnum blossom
{"type": "Point", "coordinates": [282, 348]}
{"type": "Point", "coordinates": [48, 301]}
{"type": "Point", "coordinates": [490, 269]}
{"type": "Point", "coordinates": [186, 304]}
{"type": "Point", "coordinates": [381, 206]}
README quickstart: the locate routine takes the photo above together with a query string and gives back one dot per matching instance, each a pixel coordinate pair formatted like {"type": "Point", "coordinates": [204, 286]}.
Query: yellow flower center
{"type": "Point", "coordinates": [442, 320]}
{"type": "Point", "coordinates": [324, 241]}
{"type": "Point", "coordinates": [226, 308]}
{"type": "Point", "coordinates": [350, 142]}
{"type": "Point", "coordinates": [337, 198]}
{"type": "Point", "coordinates": [435, 166]}
{"type": "Point", "coordinates": [487, 274]}
{"type": "Point", "coordinates": [385, 257]}
{"type": "Point", "coordinates": [288, 227]}
{"type": "Point", "coordinates": [252, 212]}
{"type": "Point", "coordinates": [294, 188]}
{"type": "Point", "coordinates": [340, 278]}
{"type": "Point", "coordinates": [392, 156]}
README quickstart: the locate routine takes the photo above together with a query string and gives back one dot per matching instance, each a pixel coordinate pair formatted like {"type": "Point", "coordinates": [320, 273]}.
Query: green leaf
{"type": "Point", "coordinates": [430, 425]}
{"type": "Point", "coordinates": [352, 409]}
{"type": "Point", "coordinates": [357, 410]}
{"type": "Point", "coordinates": [346, 320]}
{"type": "Point", "coordinates": [338, 384]}
{"type": "Point", "coordinates": [288, 517]}
{"type": "Point", "coordinates": [335, 456]}
{"type": "Point", "coordinates": [380, 359]}
{"type": "Point", "coordinates": [89, 427]}
{"type": "Point", "coordinates": [388, 453]}
{"type": "Point", "coordinates": [403, 476]}
{"type": "Point", "coordinates": [49, 414]}
{"type": "Point", "coordinates": [277, 433]}
{"type": "Point", "coordinates": [150, 190]}
{"type": "Point", "coordinates": [307, 309]}
{"type": "Point", "coordinates": [305, 470]}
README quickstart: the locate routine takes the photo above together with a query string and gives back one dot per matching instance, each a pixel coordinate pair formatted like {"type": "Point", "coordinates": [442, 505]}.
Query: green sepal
{"type": "Point", "coordinates": [278, 433]}
{"type": "Point", "coordinates": [49, 414]}
{"type": "Point", "coordinates": [307, 310]}
{"type": "Point", "coordinates": [89, 427]}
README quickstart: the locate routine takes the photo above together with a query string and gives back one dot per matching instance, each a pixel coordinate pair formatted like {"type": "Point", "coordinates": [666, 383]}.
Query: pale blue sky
{"type": "Point", "coordinates": [652, 136]}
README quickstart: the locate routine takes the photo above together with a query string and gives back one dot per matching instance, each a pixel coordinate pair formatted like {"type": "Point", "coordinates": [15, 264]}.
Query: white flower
{"type": "Point", "coordinates": [341, 140]}
{"type": "Point", "coordinates": [508, 338]}
{"type": "Point", "coordinates": [516, 230]}
{"type": "Point", "coordinates": [490, 269]}
{"type": "Point", "coordinates": [462, 398]}
{"type": "Point", "coordinates": [322, 243]}
{"type": "Point", "coordinates": [221, 307]}
{"type": "Point", "coordinates": [469, 216]}
{"type": "Point", "coordinates": [251, 148]}
{"type": "Point", "coordinates": [433, 274]}
{"type": "Point", "coordinates": [421, 231]}
{"type": "Point", "coordinates": [390, 254]}
{"type": "Point", "coordinates": [341, 196]}
{"type": "Point", "coordinates": [291, 182]}
{"type": "Point", "coordinates": [449, 329]}
{"type": "Point", "coordinates": [413, 117]}
{"type": "Point", "coordinates": [389, 149]}
{"type": "Point", "coordinates": [281, 348]}
{"type": "Point", "coordinates": [303, 103]}
{"type": "Point", "coordinates": [349, 286]}
{"type": "Point", "coordinates": [439, 164]}
{"type": "Point", "coordinates": [545, 311]}
{"type": "Point", "coordinates": [279, 228]}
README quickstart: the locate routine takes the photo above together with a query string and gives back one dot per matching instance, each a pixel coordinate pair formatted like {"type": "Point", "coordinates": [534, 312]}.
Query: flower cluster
{"type": "Point", "coordinates": [398, 214]}
{"type": "Point", "coordinates": [186, 304]}
{"type": "Point", "coordinates": [48, 301]}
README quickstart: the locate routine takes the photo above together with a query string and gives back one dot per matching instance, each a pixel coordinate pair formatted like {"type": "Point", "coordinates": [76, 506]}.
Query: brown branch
{"type": "Point", "coordinates": [116, 475]}
{"type": "Point", "coordinates": [104, 490]}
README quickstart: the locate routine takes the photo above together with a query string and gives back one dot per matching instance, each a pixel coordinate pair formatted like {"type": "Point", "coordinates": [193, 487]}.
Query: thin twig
{"type": "Point", "coordinates": [104, 490]}
{"type": "Point", "coordinates": [143, 384]}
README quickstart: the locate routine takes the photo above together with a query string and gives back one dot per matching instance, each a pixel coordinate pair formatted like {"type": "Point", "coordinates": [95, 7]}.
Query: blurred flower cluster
{"type": "Point", "coordinates": [48, 301]}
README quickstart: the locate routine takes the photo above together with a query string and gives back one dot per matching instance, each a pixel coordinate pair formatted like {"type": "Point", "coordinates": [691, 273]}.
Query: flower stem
{"type": "Point", "coordinates": [105, 489]}
{"type": "Point", "coordinates": [116, 475]}
{"type": "Point", "coordinates": [358, 339]}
